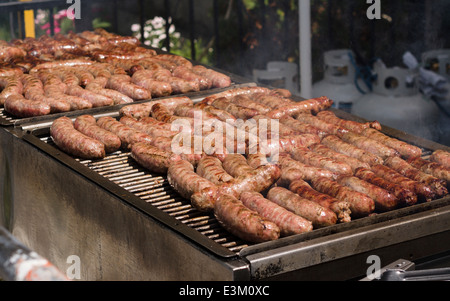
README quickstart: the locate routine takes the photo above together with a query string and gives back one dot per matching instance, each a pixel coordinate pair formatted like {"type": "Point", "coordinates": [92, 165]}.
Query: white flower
{"type": "Point", "coordinates": [135, 27]}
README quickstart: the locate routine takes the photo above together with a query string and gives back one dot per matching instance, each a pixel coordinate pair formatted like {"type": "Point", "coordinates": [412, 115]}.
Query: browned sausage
{"type": "Point", "coordinates": [424, 192]}
{"type": "Point", "coordinates": [247, 102]}
{"type": "Point", "coordinates": [360, 204]}
{"type": "Point", "coordinates": [127, 135]}
{"type": "Point", "coordinates": [432, 168]}
{"type": "Point", "coordinates": [236, 165]}
{"type": "Point", "coordinates": [235, 110]}
{"type": "Point", "coordinates": [188, 74]}
{"type": "Point", "coordinates": [315, 159]}
{"type": "Point", "coordinates": [243, 222]}
{"type": "Point", "coordinates": [313, 105]}
{"type": "Point", "coordinates": [322, 125]}
{"type": "Point", "coordinates": [144, 109]}
{"type": "Point", "coordinates": [19, 106]}
{"type": "Point", "coordinates": [441, 157]}
{"type": "Point", "coordinates": [217, 79]}
{"type": "Point", "coordinates": [405, 196]}
{"type": "Point", "coordinates": [404, 168]}
{"type": "Point", "coordinates": [369, 145]}
{"type": "Point", "coordinates": [288, 222]}
{"type": "Point", "coordinates": [384, 200]}
{"type": "Point", "coordinates": [350, 125]}
{"type": "Point", "coordinates": [318, 215]}
{"type": "Point", "coordinates": [309, 172]}
{"type": "Point", "coordinates": [302, 127]}
{"type": "Point", "coordinates": [87, 125]}
{"type": "Point", "coordinates": [211, 169]}
{"type": "Point", "coordinates": [406, 150]}
{"type": "Point", "coordinates": [341, 208]}
{"type": "Point", "coordinates": [328, 152]}
{"type": "Point", "coordinates": [73, 142]}
{"type": "Point", "coordinates": [152, 158]}
{"type": "Point", "coordinates": [157, 88]}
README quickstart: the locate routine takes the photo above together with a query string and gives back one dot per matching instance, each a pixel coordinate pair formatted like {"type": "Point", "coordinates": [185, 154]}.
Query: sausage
{"type": "Point", "coordinates": [423, 192]}
{"type": "Point", "coordinates": [19, 106]}
{"type": "Point", "coordinates": [321, 125]}
{"type": "Point", "coordinates": [302, 127]}
{"type": "Point", "coordinates": [149, 128]}
{"type": "Point", "coordinates": [370, 145]}
{"type": "Point", "coordinates": [247, 102]}
{"type": "Point", "coordinates": [127, 135]}
{"type": "Point", "coordinates": [361, 205]}
{"type": "Point", "coordinates": [8, 53]}
{"type": "Point", "coordinates": [76, 103]}
{"type": "Point", "coordinates": [161, 112]}
{"type": "Point", "coordinates": [257, 180]}
{"type": "Point", "coordinates": [10, 85]}
{"type": "Point", "coordinates": [152, 158]}
{"type": "Point", "coordinates": [442, 157]}
{"type": "Point", "coordinates": [178, 85]}
{"type": "Point", "coordinates": [191, 186]}
{"type": "Point", "coordinates": [219, 114]}
{"type": "Point", "coordinates": [236, 165]}
{"type": "Point", "coordinates": [435, 169]}
{"type": "Point", "coordinates": [117, 97]}
{"type": "Point", "coordinates": [87, 125]}
{"type": "Point", "coordinates": [328, 152]}
{"type": "Point", "coordinates": [404, 168]}
{"type": "Point", "coordinates": [287, 163]}
{"type": "Point", "coordinates": [157, 88]}
{"type": "Point", "coordinates": [406, 150]}
{"type": "Point", "coordinates": [280, 129]}
{"type": "Point", "coordinates": [384, 200]}
{"type": "Point", "coordinates": [318, 215]}
{"type": "Point", "coordinates": [97, 100]}
{"type": "Point", "coordinates": [273, 101]}
{"type": "Point", "coordinates": [310, 106]}
{"type": "Point", "coordinates": [211, 169]}
{"type": "Point", "coordinates": [61, 63]}
{"type": "Point", "coordinates": [237, 91]}
{"type": "Point", "coordinates": [354, 126]}
{"type": "Point", "coordinates": [243, 222]}
{"type": "Point", "coordinates": [124, 85]}
{"type": "Point", "coordinates": [288, 222]}
{"type": "Point", "coordinates": [176, 59]}
{"type": "Point", "coordinates": [188, 74]}
{"type": "Point", "coordinates": [217, 79]}
{"type": "Point", "coordinates": [138, 111]}
{"type": "Point", "coordinates": [315, 159]}
{"type": "Point", "coordinates": [340, 208]}
{"type": "Point", "coordinates": [338, 145]}
{"type": "Point", "coordinates": [405, 196]}
{"type": "Point", "coordinates": [235, 110]}
{"type": "Point", "coordinates": [73, 142]}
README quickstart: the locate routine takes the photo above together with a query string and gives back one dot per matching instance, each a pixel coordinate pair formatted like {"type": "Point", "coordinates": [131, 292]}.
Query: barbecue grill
{"type": "Point", "coordinates": [126, 223]}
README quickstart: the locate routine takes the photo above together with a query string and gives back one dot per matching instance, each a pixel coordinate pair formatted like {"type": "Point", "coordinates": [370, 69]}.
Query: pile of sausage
{"type": "Point", "coordinates": [92, 69]}
{"type": "Point", "coordinates": [328, 170]}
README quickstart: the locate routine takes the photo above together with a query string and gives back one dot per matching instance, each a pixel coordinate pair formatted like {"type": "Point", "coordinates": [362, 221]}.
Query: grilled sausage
{"type": "Point", "coordinates": [97, 100]}
{"type": "Point", "coordinates": [123, 84]}
{"type": "Point", "coordinates": [157, 88]}
{"type": "Point", "coordinates": [237, 91]}
{"type": "Point", "coordinates": [178, 85]}
{"type": "Point", "coordinates": [441, 157]}
{"type": "Point", "coordinates": [217, 79]}
{"type": "Point", "coordinates": [19, 106]}
{"type": "Point", "coordinates": [127, 135]}
{"type": "Point", "coordinates": [354, 126]}
{"type": "Point", "coordinates": [328, 152]}
{"type": "Point", "coordinates": [235, 110]}
{"type": "Point", "coordinates": [338, 145]}
{"type": "Point", "coordinates": [312, 106]}
{"type": "Point", "coordinates": [87, 125]}
{"type": "Point", "coordinates": [211, 169]}
{"type": "Point", "coordinates": [10, 85]}
{"type": "Point", "coordinates": [247, 102]}
{"type": "Point", "coordinates": [236, 165]}
{"type": "Point", "coordinates": [153, 158]}
{"type": "Point", "coordinates": [191, 186]}
{"type": "Point", "coordinates": [435, 169]}
{"type": "Point", "coordinates": [243, 222]}
{"type": "Point", "coordinates": [370, 145]}
{"type": "Point", "coordinates": [340, 208]}
{"type": "Point", "coordinates": [188, 74]}
{"type": "Point", "coordinates": [117, 97]}
{"type": "Point", "coordinates": [361, 205]}
{"type": "Point", "coordinates": [318, 215]}
{"type": "Point", "coordinates": [315, 159]}
{"type": "Point", "coordinates": [302, 127]}
{"type": "Point", "coordinates": [151, 129]}
{"type": "Point", "coordinates": [423, 192]}
{"type": "Point", "coordinates": [73, 142]}
{"type": "Point", "coordinates": [321, 124]}
{"type": "Point", "coordinates": [138, 111]}
{"type": "Point", "coordinates": [288, 222]}
{"type": "Point", "coordinates": [406, 150]}
{"type": "Point", "coordinates": [404, 168]}
{"type": "Point", "coordinates": [405, 196]}
{"type": "Point", "coordinates": [309, 172]}
{"type": "Point", "coordinates": [384, 200]}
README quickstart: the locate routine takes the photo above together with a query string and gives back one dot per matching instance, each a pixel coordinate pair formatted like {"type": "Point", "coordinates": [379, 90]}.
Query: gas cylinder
{"type": "Point", "coordinates": [396, 102]}
{"type": "Point", "coordinates": [438, 61]}
{"type": "Point", "coordinates": [339, 80]}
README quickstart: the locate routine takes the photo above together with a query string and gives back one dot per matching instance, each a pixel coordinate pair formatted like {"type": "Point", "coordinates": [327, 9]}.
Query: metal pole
{"type": "Point", "coordinates": [304, 14]}
{"type": "Point", "coordinates": [18, 263]}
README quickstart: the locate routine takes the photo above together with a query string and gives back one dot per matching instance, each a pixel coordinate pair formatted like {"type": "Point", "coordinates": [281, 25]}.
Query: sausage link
{"type": "Point", "coordinates": [10, 85]}
{"type": "Point", "coordinates": [370, 145]}
{"type": "Point", "coordinates": [404, 168]}
{"type": "Point", "coordinates": [243, 222]}
{"type": "Point", "coordinates": [235, 110]}
{"type": "Point", "coordinates": [318, 215]}
{"type": "Point", "coordinates": [340, 208]}
{"type": "Point", "coordinates": [328, 152]}
{"type": "Point", "coordinates": [144, 109]}
{"type": "Point", "coordinates": [441, 157]}
{"type": "Point", "coordinates": [236, 165]}
{"type": "Point", "coordinates": [311, 106]}
{"type": "Point", "coordinates": [247, 102]}
{"type": "Point", "coordinates": [405, 196]}
{"type": "Point", "coordinates": [127, 135]}
{"type": "Point", "coordinates": [321, 124]}
{"type": "Point", "coordinates": [19, 106]}
{"type": "Point", "coordinates": [73, 142]}
{"type": "Point", "coordinates": [432, 168]}
{"type": "Point", "coordinates": [354, 126]}
{"type": "Point", "coordinates": [217, 79]}
{"type": "Point", "coordinates": [288, 222]}
{"type": "Point", "coordinates": [188, 74]}
{"type": "Point", "coordinates": [302, 127]}
{"type": "Point", "coordinates": [211, 169]}
{"type": "Point", "coordinates": [152, 158]}
{"type": "Point", "coordinates": [361, 205]}
{"type": "Point", "coordinates": [87, 125]}
{"type": "Point", "coordinates": [384, 200]}
{"type": "Point", "coordinates": [315, 159]}
{"type": "Point", "coordinates": [309, 172]}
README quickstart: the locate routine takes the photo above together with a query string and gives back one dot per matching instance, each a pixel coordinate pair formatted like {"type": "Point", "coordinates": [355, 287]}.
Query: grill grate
{"type": "Point", "coordinates": [122, 170]}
